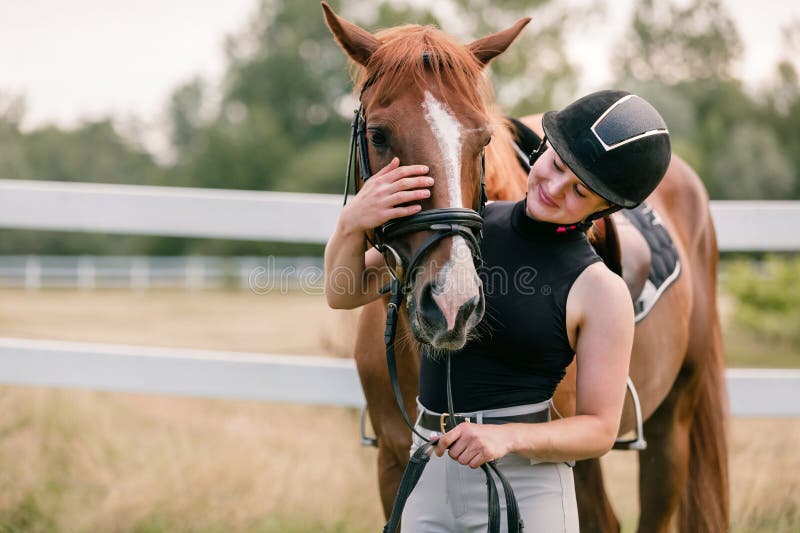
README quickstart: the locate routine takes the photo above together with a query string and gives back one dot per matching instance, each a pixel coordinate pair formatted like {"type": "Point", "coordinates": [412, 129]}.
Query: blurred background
{"type": "Point", "coordinates": [254, 95]}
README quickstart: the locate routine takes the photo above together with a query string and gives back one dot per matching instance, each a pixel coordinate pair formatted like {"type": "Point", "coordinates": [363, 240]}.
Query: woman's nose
{"type": "Point", "coordinates": [557, 184]}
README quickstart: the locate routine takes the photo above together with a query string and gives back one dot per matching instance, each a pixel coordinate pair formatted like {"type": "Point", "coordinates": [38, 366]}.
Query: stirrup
{"type": "Point", "coordinates": [638, 443]}
{"type": "Point", "coordinates": [366, 441]}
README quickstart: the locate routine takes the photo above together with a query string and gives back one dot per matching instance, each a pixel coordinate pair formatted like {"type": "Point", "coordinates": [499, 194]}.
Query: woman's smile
{"type": "Point", "coordinates": [545, 198]}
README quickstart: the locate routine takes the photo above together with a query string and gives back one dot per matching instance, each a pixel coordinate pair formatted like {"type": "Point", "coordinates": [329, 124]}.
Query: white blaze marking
{"type": "Point", "coordinates": [458, 279]}
{"type": "Point", "coordinates": [447, 131]}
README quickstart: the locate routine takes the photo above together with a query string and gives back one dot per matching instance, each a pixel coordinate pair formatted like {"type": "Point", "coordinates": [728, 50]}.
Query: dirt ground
{"type": "Point", "coordinates": [84, 460]}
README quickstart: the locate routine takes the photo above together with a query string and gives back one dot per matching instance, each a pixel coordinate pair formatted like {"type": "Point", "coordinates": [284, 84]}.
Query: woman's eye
{"type": "Point", "coordinates": [578, 191]}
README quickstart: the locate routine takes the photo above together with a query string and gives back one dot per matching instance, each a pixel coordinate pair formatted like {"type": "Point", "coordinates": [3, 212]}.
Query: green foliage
{"type": "Point", "coordinates": [279, 120]}
{"type": "Point", "coordinates": [287, 62]}
{"type": "Point", "coordinates": [675, 43]}
{"type": "Point", "coordinates": [246, 152]}
{"type": "Point", "coordinates": [681, 57]}
{"type": "Point", "coordinates": [754, 151]}
{"type": "Point", "coordinates": [26, 515]}
{"type": "Point", "coordinates": [186, 114]}
{"type": "Point", "coordinates": [13, 162]}
{"type": "Point", "coordinates": [535, 74]}
{"type": "Point", "coordinates": [92, 152]}
{"type": "Point", "coordinates": [767, 298]}
{"type": "Point", "coordinates": [282, 123]}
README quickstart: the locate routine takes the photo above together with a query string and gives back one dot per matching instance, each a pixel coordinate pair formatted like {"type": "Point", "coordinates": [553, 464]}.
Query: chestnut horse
{"type": "Point", "coordinates": [413, 82]}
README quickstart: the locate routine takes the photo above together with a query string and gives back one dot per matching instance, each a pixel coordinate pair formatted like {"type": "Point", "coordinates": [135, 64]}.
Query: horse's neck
{"type": "Point", "coordinates": [505, 178]}
{"type": "Point", "coordinates": [604, 237]}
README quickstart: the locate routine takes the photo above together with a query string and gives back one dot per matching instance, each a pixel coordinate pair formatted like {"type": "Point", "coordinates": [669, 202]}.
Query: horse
{"type": "Point", "coordinates": [409, 78]}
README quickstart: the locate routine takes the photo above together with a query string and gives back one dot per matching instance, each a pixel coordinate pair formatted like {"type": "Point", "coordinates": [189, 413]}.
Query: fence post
{"type": "Point", "coordinates": [140, 274]}
{"type": "Point", "coordinates": [33, 274]}
{"type": "Point", "coordinates": [86, 273]}
{"type": "Point", "coordinates": [195, 272]}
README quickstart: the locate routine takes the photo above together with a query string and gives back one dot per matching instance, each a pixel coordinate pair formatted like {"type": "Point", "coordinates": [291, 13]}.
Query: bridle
{"type": "Point", "coordinates": [443, 223]}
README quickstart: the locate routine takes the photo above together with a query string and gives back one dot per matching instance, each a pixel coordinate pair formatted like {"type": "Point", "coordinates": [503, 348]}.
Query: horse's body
{"type": "Point", "coordinates": [676, 362]}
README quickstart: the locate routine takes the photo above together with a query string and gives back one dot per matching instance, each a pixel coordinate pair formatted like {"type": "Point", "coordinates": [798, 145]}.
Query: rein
{"type": "Point", "coordinates": [443, 222]}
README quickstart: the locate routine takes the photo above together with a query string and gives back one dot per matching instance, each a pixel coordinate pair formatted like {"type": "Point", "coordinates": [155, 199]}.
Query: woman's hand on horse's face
{"type": "Point", "coordinates": [379, 199]}
{"type": "Point", "coordinates": [474, 444]}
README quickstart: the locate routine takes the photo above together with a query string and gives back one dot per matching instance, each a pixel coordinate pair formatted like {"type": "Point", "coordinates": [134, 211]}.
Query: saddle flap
{"type": "Point", "coordinates": [650, 261]}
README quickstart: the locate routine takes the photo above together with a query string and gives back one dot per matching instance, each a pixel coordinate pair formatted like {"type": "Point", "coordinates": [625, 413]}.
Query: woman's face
{"type": "Point", "coordinates": [557, 195]}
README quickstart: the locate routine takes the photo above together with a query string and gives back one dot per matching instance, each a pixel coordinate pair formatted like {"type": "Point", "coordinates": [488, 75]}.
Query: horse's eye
{"type": "Point", "coordinates": [377, 138]}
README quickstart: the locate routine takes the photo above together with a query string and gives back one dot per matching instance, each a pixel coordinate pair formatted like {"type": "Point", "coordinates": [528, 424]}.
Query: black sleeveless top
{"type": "Point", "coordinates": [520, 349]}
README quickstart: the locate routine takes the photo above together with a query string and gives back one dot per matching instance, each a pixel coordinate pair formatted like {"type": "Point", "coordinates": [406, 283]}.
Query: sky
{"type": "Point", "coordinates": [86, 59]}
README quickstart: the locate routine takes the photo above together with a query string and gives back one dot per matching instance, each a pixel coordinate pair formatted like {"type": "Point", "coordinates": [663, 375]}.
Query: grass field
{"type": "Point", "coordinates": [92, 461]}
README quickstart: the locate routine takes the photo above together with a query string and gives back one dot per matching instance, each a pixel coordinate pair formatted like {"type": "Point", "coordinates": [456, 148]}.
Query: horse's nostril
{"type": "Point", "coordinates": [439, 313]}
{"type": "Point", "coordinates": [468, 308]}
{"type": "Point", "coordinates": [428, 307]}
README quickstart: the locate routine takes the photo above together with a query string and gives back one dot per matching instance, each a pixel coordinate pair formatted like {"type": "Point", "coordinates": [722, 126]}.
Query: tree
{"type": "Point", "coordinates": [13, 164]}
{"type": "Point", "coordinates": [92, 152]}
{"type": "Point", "coordinates": [186, 114]}
{"type": "Point", "coordinates": [783, 98]}
{"type": "Point", "coordinates": [754, 167]}
{"type": "Point", "coordinates": [681, 58]}
{"type": "Point", "coordinates": [287, 97]}
{"type": "Point", "coordinates": [674, 44]}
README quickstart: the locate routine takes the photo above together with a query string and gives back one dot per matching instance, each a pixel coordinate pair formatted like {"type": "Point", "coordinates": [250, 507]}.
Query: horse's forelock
{"type": "Point", "coordinates": [410, 54]}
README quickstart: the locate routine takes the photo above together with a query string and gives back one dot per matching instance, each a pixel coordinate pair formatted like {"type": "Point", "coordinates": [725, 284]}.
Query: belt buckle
{"type": "Point", "coordinates": [444, 417]}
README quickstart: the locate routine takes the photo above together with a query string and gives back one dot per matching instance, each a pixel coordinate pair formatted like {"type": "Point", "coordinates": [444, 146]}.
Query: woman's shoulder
{"type": "Point", "coordinates": [597, 287]}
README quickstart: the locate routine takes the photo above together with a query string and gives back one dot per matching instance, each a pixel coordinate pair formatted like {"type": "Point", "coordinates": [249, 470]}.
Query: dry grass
{"type": "Point", "coordinates": [119, 462]}
{"type": "Point", "coordinates": [81, 460]}
{"type": "Point", "coordinates": [291, 323]}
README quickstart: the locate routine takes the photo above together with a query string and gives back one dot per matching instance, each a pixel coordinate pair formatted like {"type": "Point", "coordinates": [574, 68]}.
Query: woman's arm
{"type": "Point", "coordinates": [600, 312]}
{"type": "Point", "coordinates": [353, 272]}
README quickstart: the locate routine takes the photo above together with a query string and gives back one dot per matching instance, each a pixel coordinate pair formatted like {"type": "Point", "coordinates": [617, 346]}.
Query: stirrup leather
{"type": "Point", "coordinates": [638, 443]}
{"type": "Point", "coordinates": [365, 439]}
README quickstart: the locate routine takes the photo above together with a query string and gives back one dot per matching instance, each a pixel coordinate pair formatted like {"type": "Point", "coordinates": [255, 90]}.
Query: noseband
{"type": "Point", "coordinates": [442, 222]}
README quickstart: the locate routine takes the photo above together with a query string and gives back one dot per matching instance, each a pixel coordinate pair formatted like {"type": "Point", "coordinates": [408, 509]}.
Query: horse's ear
{"type": "Point", "coordinates": [493, 45]}
{"type": "Point", "coordinates": [357, 42]}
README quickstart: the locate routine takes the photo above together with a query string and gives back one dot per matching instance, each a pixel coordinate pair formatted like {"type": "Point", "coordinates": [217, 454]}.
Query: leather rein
{"type": "Point", "coordinates": [442, 222]}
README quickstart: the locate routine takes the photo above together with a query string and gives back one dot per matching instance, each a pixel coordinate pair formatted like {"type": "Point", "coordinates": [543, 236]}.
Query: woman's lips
{"type": "Point", "coordinates": [546, 200]}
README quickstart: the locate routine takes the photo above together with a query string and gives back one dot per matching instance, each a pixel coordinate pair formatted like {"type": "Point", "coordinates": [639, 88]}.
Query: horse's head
{"type": "Point", "coordinates": [426, 101]}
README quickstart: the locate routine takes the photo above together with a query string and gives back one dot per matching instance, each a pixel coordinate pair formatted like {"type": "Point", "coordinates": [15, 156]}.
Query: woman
{"type": "Point", "coordinates": [604, 152]}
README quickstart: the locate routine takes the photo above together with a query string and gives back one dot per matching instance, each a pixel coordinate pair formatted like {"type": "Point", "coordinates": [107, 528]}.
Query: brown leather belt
{"type": "Point", "coordinates": [443, 422]}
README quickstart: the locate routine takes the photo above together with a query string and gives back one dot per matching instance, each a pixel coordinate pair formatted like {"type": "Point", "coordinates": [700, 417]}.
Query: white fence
{"type": "Point", "coordinates": [282, 217]}
{"type": "Point", "coordinates": [277, 378]}
{"type": "Point", "coordinates": [286, 217]}
{"type": "Point", "coordinates": [148, 272]}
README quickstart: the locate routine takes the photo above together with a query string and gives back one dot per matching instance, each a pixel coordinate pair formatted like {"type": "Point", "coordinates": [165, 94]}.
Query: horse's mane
{"type": "Point", "coordinates": [505, 178]}
{"type": "Point", "coordinates": [409, 56]}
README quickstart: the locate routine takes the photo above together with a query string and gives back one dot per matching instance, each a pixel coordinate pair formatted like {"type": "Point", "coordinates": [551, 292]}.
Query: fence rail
{"type": "Point", "coordinates": [266, 216]}
{"type": "Point", "coordinates": [145, 272]}
{"type": "Point", "coordinates": [277, 378]}
{"type": "Point", "coordinates": [286, 217]}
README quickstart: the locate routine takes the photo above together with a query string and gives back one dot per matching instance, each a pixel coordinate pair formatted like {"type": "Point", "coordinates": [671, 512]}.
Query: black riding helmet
{"type": "Point", "coordinates": [614, 141]}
